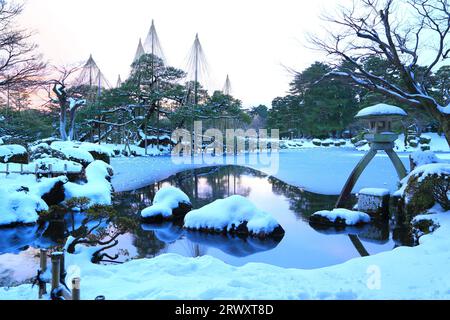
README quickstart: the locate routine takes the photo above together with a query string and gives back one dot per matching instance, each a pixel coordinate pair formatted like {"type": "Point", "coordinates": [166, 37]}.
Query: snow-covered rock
{"type": "Point", "coordinates": [420, 158]}
{"type": "Point", "coordinates": [19, 207]}
{"type": "Point", "coordinates": [374, 201]}
{"type": "Point", "coordinates": [73, 152]}
{"type": "Point", "coordinates": [13, 153]}
{"type": "Point", "coordinates": [235, 214]}
{"type": "Point", "coordinates": [169, 202]}
{"type": "Point", "coordinates": [340, 217]}
{"type": "Point", "coordinates": [98, 187]}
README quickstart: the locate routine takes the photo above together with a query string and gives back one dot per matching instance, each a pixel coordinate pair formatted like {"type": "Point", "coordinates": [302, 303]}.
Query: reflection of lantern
{"type": "Point", "coordinates": [381, 138]}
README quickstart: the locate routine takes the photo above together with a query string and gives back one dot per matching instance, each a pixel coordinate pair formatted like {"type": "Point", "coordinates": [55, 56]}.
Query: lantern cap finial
{"type": "Point", "coordinates": [381, 110]}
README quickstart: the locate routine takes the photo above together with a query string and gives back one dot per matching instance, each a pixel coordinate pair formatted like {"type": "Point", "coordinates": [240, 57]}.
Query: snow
{"type": "Point", "coordinates": [421, 158]}
{"type": "Point", "coordinates": [72, 151]}
{"type": "Point", "coordinates": [438, 169]}
{"type": "Point", "coordinates": [98, 189]}
{"type": "Point", "coordinates": [378, 192]}
{"type": "Point", "coordinates": [228, 213]}
{"type": "Point", "coordinates": [381, 110]}
{"type": "Point", "coordinates": [438, 144]}
{"type": "Point", "coordinates": [166, 199]}
{"type": "Point", "coordinates": [19, 207]}
{"type": "Point", "coordinates": [351, 217]}
{"type": "Point", "coordinates": [20, 197]}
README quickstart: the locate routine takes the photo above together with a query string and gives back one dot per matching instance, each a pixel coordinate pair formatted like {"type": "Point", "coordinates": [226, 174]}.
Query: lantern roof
{"type": "Point", "coordinates": [381, 110]}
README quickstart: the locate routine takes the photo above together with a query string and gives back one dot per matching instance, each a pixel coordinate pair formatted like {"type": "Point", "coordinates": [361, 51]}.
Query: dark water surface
{"type": "Point", "coordinates": [302, 246]}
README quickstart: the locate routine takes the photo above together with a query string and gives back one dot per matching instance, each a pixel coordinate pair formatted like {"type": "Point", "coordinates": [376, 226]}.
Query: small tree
{"type": "Point", "coordinates": [374, 28]}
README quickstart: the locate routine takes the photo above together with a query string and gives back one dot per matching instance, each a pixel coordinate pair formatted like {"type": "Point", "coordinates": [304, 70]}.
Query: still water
{"type": "Point", "coordinates": [301, 247]}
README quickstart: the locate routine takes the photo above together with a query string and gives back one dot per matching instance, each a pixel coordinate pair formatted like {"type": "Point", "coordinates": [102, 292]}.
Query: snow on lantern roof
{"type": "Point", "coordinates": [380, 110]}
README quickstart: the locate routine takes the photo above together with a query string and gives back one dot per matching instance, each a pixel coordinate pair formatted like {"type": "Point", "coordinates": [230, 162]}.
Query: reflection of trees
{"type": "Point", "coordinates": [303, 203]}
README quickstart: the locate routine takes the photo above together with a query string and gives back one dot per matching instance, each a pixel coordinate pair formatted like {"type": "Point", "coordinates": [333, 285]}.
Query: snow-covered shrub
{"type": "Point", "coordinates": [414, 143]}
{"type": "Point", "coordinates": [425, 147]}
{"type": "Point", "coordinates": [421, 225]}
{"type": "Point", "coordinates": [43, 150]}
{"type": "Point", "coordinates": [13, 154]}
{"type": "Point", "coordinates": [342, 217]}
{"type": "Point", "coordinates": [73, 152]}
{"type": "Point", "coordinates": [326, 143]}
{"type": "Point", "coordinates": [425, 186]}
{"type": "Point", "coordinates": [235, 215]}
{"type": "Point", "coordinates": [424, 140]}
{"type": "Point", "coordinates": [317, 142]}
{"type": "Point", "coordinates": [420, 158]}
{"type": "Point", "coordinates": [374, 201]}
{"type": "Point", "coordinates": [19, 207]}
{"type": "Point", "coordinates": [169, 203]}
{"type": "Point", "coordinates": [361, 143]}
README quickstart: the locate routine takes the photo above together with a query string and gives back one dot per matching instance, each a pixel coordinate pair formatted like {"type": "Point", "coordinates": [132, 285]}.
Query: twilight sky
{"type": "Point", "coordinates": [251, 40]}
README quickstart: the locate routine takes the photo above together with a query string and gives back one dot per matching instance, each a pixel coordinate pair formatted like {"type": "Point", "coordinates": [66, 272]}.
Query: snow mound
{"type": "Point", "coordinates": [231, 215]}
{"type": "Point", "coordinates": [98, 187]}
{"type": "Point", "coordinates": [166, 200]}
{"type": "Point", "coordinates": [381, 110]}
{"type": "Point", "coordinates": [20, 207]}
{"type": "Point", "coordinates": [7, 152]}
{"type": "Point", "coordinates": [341, 216]}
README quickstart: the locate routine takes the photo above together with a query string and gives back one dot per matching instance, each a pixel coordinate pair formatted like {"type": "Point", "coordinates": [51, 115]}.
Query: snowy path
{"type": "Point", "coordinates": [317, 170]}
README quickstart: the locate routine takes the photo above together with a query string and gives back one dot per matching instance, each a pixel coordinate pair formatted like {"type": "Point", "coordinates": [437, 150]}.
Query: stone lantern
{"type": "Point", "coordinates": [381, 138]}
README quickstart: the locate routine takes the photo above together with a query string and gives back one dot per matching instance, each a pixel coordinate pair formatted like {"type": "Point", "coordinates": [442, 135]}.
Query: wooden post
{"type": "Point", "coordinates": [56, 268]}
{"type": "Point", "coordinates": [62, 266]}
{"type": "Point", "coordinates": [21, 169]}
{"type": "Point", "coordinates": [43, 267]}
{"type": "Point", "coordinates": [43, 260]}
{"type": "Point", "coordinates": [36, 169]}
{"type": "Point", "coordinates": [76, 289]}
{"type": "Point", "coordinates": [7, 169]}
{"type": "Point", "coordinates": [65, 169]}
{"type": "Point", "coordinates": [50, 167]}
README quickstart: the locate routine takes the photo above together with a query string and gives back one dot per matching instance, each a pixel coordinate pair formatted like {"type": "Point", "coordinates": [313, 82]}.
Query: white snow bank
{"type": "Point", "coordinates": [348, 217]}
{"type": "Point", "coordinates": [166, 199]}
{"type": "Point", "coordinates": [98, 188]}
{"type": "Point", "coordinates": [381, 109]}
{"type": "Point", "coordinates": [230, 213]}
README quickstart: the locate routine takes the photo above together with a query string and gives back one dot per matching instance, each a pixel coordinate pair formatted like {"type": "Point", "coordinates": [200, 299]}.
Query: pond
{"type": "Point", "coordinates": [302, 246]}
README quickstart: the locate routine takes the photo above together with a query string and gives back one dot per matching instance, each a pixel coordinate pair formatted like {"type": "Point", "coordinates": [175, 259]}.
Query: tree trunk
{"type": "Point", "coordinates": [62, 123]}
